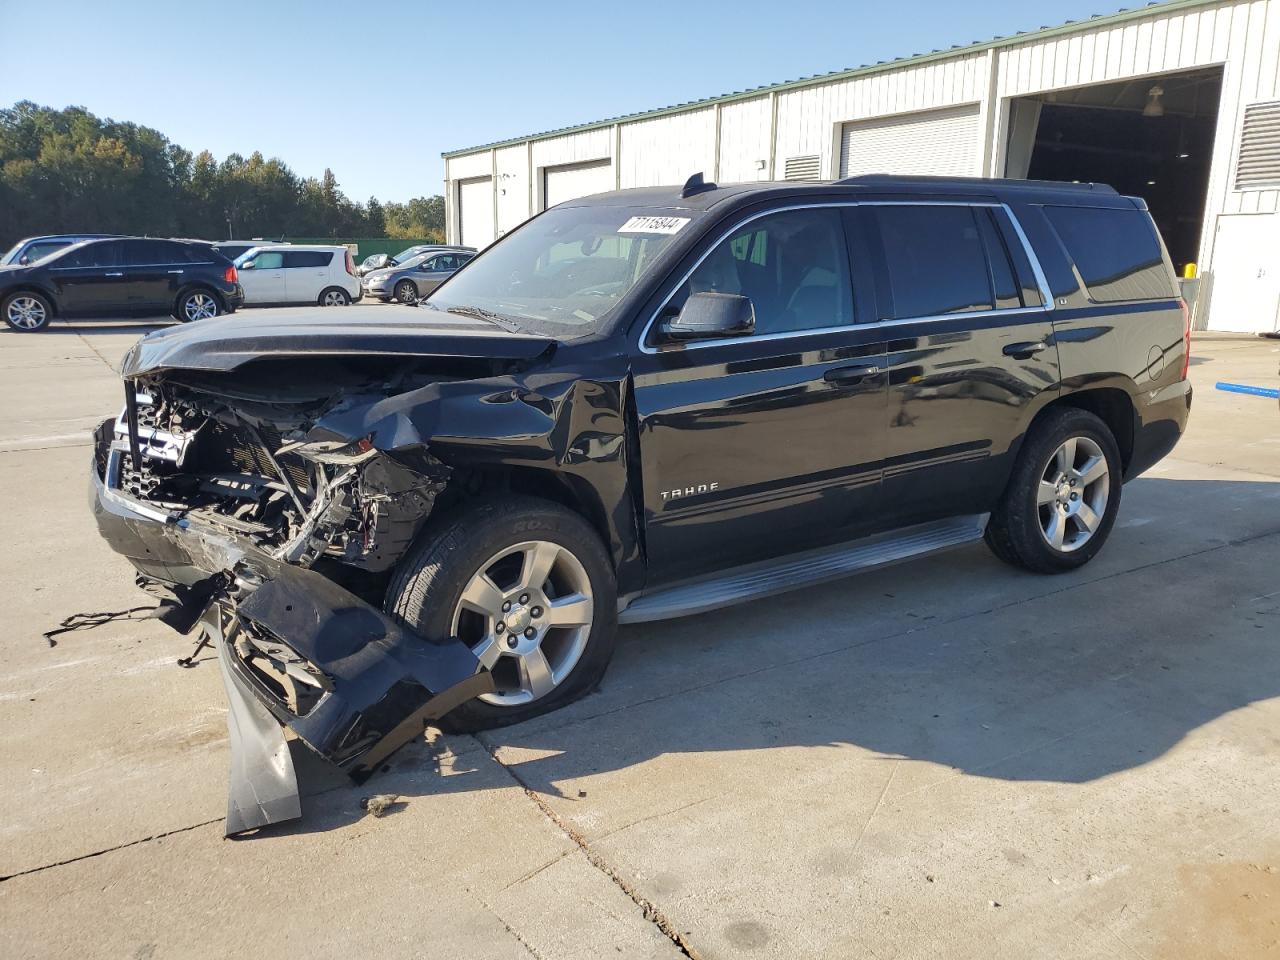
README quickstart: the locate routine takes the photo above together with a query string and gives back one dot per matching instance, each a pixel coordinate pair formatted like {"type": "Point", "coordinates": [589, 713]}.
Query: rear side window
{"type": "Point", "coordinates": [936, 260]}
{"type": "Point", "coordinates": [307, 258]}
{"type": "Point", "coordinates": [1116, 252]}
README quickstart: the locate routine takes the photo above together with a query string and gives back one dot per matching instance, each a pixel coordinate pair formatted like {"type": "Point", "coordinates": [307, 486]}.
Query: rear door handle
{"type": "Point", "coordinates": [175, 271]}
{"type": "Point", "coordinates": [1025, 351]}
{"type": "Point", "coordinates": [114, 274]}
{"type": "Point", "coordinates": [852, 374]}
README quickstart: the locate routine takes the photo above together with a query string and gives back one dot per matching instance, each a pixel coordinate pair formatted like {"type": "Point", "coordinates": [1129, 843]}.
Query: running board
{"type": "Point", "coordinates": [803, 569]}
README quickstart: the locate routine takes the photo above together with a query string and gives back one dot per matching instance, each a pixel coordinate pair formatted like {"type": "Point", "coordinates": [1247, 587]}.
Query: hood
{"type": "Point", "coordinates": [381, 273]}
{"type": "Point", "coordinates": [225, 343]}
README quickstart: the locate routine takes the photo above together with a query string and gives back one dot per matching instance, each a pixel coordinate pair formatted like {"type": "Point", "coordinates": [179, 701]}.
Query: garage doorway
{"type": "Point", "coordinates": [475, 212]}
{"type": "Point", "coordinates": [1151, 137]}
{"type": "Point", "coordinates": [573, 180]}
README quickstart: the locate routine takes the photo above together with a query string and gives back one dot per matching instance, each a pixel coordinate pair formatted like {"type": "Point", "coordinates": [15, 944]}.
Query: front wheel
{"type": "Point", "coordinates": [197, 305]}
{"type": "Point", "coordinates": [1062, 499]}
{"type": "Point", "coordinates": [26, 312]}
{"type": "Point", "coordinates": [334, 297]}
{"type": "Point", "coordinates": [529, 587]}
{"type": "Point", "coordinates": [407, 292]}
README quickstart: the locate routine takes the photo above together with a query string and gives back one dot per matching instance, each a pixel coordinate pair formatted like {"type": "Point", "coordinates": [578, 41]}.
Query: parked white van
{"type": "Point", "coordinates": [295, 273]}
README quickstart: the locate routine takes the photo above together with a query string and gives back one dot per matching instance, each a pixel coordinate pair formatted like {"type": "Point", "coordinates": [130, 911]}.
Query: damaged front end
{"type": "Point", "coordinates": [245, 510]}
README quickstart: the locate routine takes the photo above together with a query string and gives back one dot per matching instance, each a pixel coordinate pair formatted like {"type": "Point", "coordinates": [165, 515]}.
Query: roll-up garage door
{"type": "Point", "coordinates": [934, 143]}
{"type": "Point", "coordinates": [573, 180]}
{"type": "Point", "coordinates": [475, 212]}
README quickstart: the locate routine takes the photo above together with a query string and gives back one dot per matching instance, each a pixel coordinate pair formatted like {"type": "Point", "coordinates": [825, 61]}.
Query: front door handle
{"type": "Point", "coordinates": [114, 274]}
{"type": "Point", "coordinates": [1025, 351]}
{"type": "Point", "coordinates": [853, 374]}
{"type": "Point", "coordinates": [176, 271]}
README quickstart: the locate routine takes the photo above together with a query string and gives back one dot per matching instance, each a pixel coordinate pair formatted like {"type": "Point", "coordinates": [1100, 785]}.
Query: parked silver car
{"type": "Point", "coordinates": [415, 278]}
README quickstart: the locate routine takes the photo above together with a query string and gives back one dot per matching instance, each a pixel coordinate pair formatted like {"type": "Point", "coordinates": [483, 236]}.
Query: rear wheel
{"type": "Point", "coordinates": [197, 305]}
{"type": "Point", "coordinates": [407, 292]}
{"type": "Point", "coordinates": [334, 297]}
{"type": "Point", "coordinates": [26, 312]}
{"type": "Point", "coordinates": [1061, 502]}
{"type": "Point", "coordinates": [528, 586]}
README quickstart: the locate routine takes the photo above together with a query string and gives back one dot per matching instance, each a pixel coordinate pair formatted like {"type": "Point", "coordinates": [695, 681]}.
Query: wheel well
{"type": "Point", "coordinates": [192, 288]}
{"type": "Point", "coordinates": [1112, 406]}
{"type": "Point", "coordinates": [17, 291]}
{"type": "Point", "coordinates": [556, 487]}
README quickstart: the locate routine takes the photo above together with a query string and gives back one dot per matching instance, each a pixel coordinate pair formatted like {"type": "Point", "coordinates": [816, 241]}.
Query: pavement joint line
{"type": "Point", "coordinates": [647, 908]}
{"type": "Point", "coordinates": [515, 934]}
{"type": "Point", "coordinates": [893, 772]}
{"type": "Point", "coordinates": [684, 691]}
{"type": "Point", "coordinates": [119, 846]}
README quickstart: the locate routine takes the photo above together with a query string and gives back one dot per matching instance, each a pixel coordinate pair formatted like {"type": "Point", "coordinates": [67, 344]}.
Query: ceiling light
{"type": "Point", "coordinates": [1154, 107]}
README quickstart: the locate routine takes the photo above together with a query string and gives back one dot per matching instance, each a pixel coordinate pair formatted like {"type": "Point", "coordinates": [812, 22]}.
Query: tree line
{"type": "Point", "coordinates": [67, 171]}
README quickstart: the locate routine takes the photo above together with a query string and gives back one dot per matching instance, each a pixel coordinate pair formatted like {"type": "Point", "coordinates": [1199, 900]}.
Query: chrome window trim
{"type": "Point", "coordinates": [1041, 281]}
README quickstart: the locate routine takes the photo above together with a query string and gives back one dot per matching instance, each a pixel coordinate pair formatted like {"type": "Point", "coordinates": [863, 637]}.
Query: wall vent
{"type": "Point", "coordinates": [1259, 163]}
{"type": "Point", "coordinates": [802, 168]}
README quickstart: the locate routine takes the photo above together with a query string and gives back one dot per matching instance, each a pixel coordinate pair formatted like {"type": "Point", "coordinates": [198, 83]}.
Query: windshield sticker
{"type": "Point", "coordinates": [654, 225]}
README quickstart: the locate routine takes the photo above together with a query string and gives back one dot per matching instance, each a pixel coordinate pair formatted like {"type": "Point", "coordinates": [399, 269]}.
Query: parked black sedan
{"type": "Point", "coordinates": [128, 276]}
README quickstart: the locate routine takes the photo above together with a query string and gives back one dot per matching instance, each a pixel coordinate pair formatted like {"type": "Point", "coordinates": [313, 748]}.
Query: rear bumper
{"type": "Point", "coordinates": [1160, 424]}
{"type": "Point", "coordinates": [296, 649]}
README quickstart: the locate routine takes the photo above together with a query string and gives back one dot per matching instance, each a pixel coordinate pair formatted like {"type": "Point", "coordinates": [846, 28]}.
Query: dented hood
{"type": "Point", "coordinates": [224, 343]}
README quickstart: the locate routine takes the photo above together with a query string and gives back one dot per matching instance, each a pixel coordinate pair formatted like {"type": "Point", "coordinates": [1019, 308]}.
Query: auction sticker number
{"type": "Point", "coordinates": [654, 225]}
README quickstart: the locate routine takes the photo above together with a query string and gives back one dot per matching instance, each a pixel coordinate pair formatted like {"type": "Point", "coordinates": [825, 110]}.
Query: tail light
{"type": "Point", "coordinates": [1186, 337]}
{"type": "Point", "coordinates": [230, 274]}
{"type": "Point", "coordinates": [351, 264]}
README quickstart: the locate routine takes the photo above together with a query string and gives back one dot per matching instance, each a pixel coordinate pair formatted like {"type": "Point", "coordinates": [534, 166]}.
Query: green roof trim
{"type": "Point", "coordinates": [835, 76]}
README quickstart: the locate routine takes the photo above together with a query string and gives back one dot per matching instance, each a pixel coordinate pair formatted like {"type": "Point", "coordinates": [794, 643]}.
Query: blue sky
{"type": "Point", "coordinates": [377, 90]}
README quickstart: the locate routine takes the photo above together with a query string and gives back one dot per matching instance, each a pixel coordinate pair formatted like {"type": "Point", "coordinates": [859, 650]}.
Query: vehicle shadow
{"type": "Point", "coordinates": [955, 661]}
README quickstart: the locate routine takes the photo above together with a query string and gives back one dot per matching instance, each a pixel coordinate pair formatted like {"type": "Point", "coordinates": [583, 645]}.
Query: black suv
{"type": "Point", "coordinates": [126, 276]}
{"type": "Point", "coordinates": [637, 405]}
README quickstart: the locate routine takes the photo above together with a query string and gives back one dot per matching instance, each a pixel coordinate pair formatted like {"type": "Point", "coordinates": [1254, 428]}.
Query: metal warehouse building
{"type": "Point", "coordinates": [1176, 102]}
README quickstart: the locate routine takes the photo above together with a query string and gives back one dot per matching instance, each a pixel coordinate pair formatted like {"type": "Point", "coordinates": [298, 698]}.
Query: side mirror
{"type": "Point", "coordinates": [24, 260]}
{"type": "Point", "coordinates": [707, 315]}
{"type": "Point", "coordinates": [247, 265]}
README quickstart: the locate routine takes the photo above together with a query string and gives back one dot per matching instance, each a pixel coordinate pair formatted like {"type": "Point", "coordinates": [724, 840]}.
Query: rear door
{"type": "Point", "coordinates": [90, 280]}
{"type": "Point", "coordinates": [766, 444]}
{"type": "Point", "coordinates": [262, 278]}
{"type": "Point", "coordinates": [151, 269]}
{"type": "Point", "coordinates": [971, 353]}
{"type": "Point", "coordinates": [306, 274]}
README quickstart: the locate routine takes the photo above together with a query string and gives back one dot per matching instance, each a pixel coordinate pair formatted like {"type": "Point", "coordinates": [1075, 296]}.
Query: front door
{"type": "Point", "coordinates": [263, 278]}
{"type": "Point", "coordinates": [434, 271]}
{"type": "Point", "coordinates": [90, 280]}
{"type": "Point", "coordinates": [770, 443]}
{"type": "Point", "coordinates": [970, 349]}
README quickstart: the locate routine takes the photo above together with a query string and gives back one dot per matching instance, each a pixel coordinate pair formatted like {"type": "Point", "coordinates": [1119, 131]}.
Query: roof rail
{"type": "Point", "coordinates": [889, 180]}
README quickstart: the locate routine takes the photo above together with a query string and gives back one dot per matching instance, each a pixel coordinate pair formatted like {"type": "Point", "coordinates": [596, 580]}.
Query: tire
{"type": "Point", "coordinates": [427, 593]}
{"type": "Point", "coordinates": [407, 292]}
{"type": "Point", "coordinates": [1041, 523]}
{"type": "Point", "coordinates": [25, 311]}
{"type": "Point", "coordinates": [197, 304]}
{"type": "Point", "coordinates": [333, 297]}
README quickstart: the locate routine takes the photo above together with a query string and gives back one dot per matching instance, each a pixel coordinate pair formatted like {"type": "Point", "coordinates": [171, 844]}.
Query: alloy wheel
{"type": "Point", "coordinates": [334, 298]}
{"type": "Point", "coordinates": [199, 306]}
{"type": "Point", "coordinates": [1073, 492]}
{"type": "Point", "coordinates": [405, 292]}
{"type": "Point", "coordinates": [26, 313]}
{"type": "Point", "coordinates": [526, 614]}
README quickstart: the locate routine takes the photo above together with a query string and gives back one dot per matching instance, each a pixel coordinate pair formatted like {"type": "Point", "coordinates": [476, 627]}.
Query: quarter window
{"type": "Point", "coordinates": [793, 265]}
{"type": "Point", "coordinates": [1116, 252]}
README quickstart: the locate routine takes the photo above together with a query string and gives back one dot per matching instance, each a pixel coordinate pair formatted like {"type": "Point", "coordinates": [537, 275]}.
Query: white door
{"type": "Point", "coordinates": [941, 143]}
{"type": "Point", "coordinates": [475, 212]}
{"type": "Point", "coordinates": [575, 180]}
{"type": "Point", "coordinates": [1246, 274]}
{"type": "Point", "coordinates": [264, 282]}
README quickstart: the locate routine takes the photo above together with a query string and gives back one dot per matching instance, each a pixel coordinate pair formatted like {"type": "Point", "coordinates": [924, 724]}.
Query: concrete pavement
{"type": "Point", "coordinates": [943, 759]}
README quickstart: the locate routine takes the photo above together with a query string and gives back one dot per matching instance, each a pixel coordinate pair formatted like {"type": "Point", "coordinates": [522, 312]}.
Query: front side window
{"type": "Point", "coordinates": [1116, 252]}
{"type": "Point", "coordinates": [562, 272]}
{"type": "Point", "coordinates": [263, 260]}
{"type": "Point", "coordinates": [792, 265]}
{"type": "Point", "coordinates": [102, 253]}
{"type": "Point", "coordinates": [38, 251]}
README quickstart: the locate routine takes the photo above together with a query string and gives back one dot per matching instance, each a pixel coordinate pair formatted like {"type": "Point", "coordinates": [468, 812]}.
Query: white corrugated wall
{"type": "Point", "coordinates": [752, 138]}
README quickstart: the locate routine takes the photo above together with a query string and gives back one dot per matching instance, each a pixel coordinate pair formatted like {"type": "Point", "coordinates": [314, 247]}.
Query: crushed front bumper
{"type": "Point", "coordinates": [296, 650]}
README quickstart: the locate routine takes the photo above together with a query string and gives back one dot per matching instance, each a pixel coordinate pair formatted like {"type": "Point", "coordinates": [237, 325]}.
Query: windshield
{"type": "Point", "coordinates": [412, 261]}
{"type": "Point", "coordinates": [563, 271]}
{"type": "Point", "coordinates": [404, 255]}
{"type": "Point", "coordinates": [12, 253]}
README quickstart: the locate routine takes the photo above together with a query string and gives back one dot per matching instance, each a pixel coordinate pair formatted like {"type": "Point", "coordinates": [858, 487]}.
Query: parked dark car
{"type": "Point", "coordinates": [637, 405]}
{"type": "Point", "coordinates": [35, 248]}
{"type": "Point", "coordinates": [129, 276]}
